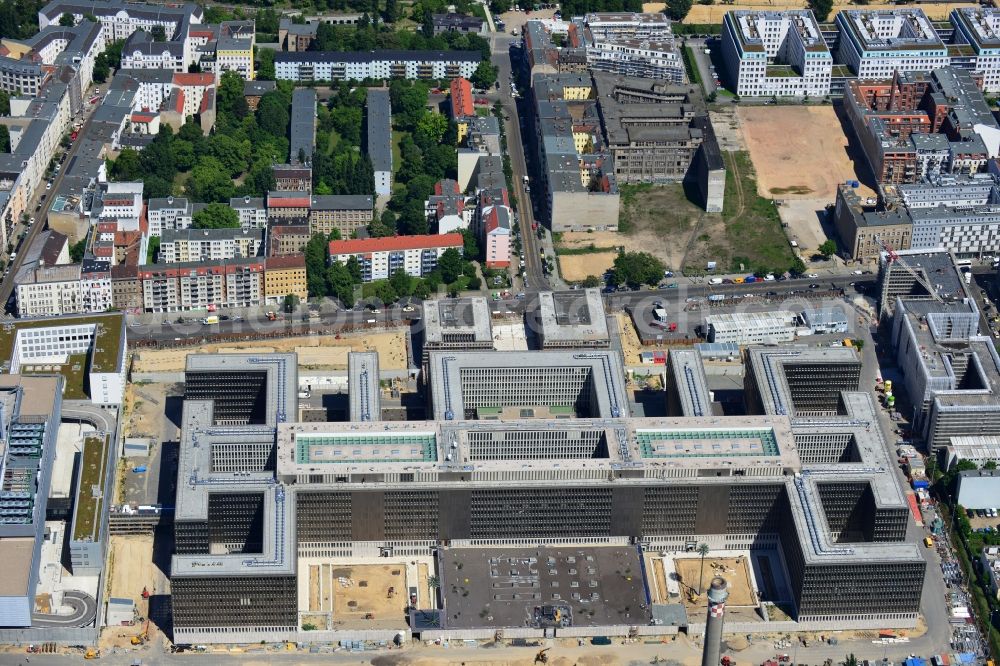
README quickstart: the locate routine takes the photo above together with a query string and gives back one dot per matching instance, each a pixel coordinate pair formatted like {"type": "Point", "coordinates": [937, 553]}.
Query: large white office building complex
{"type": "Point", "coordinates": [874, 44]}
{"type": "Point", "coordinates": [979, 27]}
{"type": "Point", "coordinates": [780, 54]}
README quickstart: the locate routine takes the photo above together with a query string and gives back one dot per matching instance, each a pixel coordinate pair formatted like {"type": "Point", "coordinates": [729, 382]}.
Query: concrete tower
{"type": "Point", "coordinates": [718, 592]}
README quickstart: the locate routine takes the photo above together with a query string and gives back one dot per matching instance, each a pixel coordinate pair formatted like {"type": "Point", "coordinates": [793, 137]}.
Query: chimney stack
{"type": "Point", "coordinates": [718, 592]}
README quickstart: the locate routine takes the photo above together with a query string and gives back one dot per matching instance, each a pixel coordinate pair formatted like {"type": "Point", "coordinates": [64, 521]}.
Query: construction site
{"type": "Point", "coordinates": [334, 594]}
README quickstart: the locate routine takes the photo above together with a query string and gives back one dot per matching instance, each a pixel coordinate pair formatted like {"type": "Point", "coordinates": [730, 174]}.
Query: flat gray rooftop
{"type": "Point", "coordinates": [365, 396]}
{"type": "Point", "coordinates": [572, 317]}
{"type": "Point", "coordinates": [511, 587]}
{"type": "Point", "coordinates": [457, 317]}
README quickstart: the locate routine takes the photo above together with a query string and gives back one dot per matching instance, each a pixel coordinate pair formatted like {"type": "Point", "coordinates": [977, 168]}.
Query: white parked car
{"type": "Point", "coordinates": [812, 275]}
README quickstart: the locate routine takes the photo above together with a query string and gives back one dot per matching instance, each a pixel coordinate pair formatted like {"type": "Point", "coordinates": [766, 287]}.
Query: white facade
{"type": "Point", "coordinates": [252, 212]}
{"type": "Point", "coordinates": [874, 44]}
{"type": "Point", "coordinates": [169, 213]}
{"type": "Point", "coordinates": [55, 344]}
{"type": "Point", "coordinates": [779, 54]}
{"type": "Point", "coordinates": [336, 66]}
{"type": "Point", "coordinates": [751, 328]}
{"type": "Point", "coordinates": [208, 245]}
{"type": "Point", "coordinates": [49, 297]}
{"type": "Point", "coordinates": [96, 293]}
{"type": "Point", "coordinates": [980, 28]}
{"type": "Point", "coordinates": [381, 257]}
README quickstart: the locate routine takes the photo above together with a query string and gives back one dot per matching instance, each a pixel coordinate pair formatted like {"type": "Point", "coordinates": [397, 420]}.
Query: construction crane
{"type": "Point", "coordinates": [143, 637]}
{"type": "Point", "coordinates": [541, 657]}
{"type": "Point", "coordinates": [894, 258]}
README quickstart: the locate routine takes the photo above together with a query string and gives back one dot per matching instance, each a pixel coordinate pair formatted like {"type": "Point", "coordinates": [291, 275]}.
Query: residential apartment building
{"type": "Point", "coordinates": [49, 290]}
{"type": "Point", "coordinates": [196, 286]}
{"type": "Point", "coordinates": [381, 257]}
{"type": "Point", "coordinates": [350, 66]}
{"type": "Point", "coordinates": [284, 276]}
{"type": "Point", "coordinates": [168, 214]}
{"type": "Point", "coordinates": [496, 223]}
{"type": "Point", "coordinates": [126, 289]}
{"type": "Point", "coordinates": [141, 51]}
{"type": "Point", "coordinates": [877, 44]}
{"type": "Point", "coordinates": [627, 44]}
{"type": "Point", "coordinates": [379, 143]}
{"type": "Point", "coordinates": [284, 240]}
{"type": "Point", "coordinates": [296, 36]}
{"type": "Point", "coordinates": [251, 210]}
{"type": "Point", "coordinates": [346, 213]}
{"type": "Point", "coordinates": [194, 245]}
{"type": "Point", "coordinates": [292, 178]}
{"type": "Point", "coordinates": [288, 207]}
{"type": "Point", "coordinates": [119, 20]}
{"type": "Point", "coordinates": [957, 213]}
{"type": "Point", "coordinates": [919, 125]}
{"type": "Point", "coordinates": [779, 54]}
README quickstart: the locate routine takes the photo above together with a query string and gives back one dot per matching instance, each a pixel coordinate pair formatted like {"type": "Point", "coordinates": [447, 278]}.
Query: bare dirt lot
{"type": "Point", "coordinates": [578, 267]}
{"type": "Point", "coordinates": [802, 169]}
{"type": "Point", "coordinates": [631, 347]}
{"type": "Point", "coordinates": [132, 570]}
{"type": "Point", "coordinates": [377, 589]}
{"type": "Point", "coordinates": [320, 352]}
{"type": "Point", "coordinates": [736, 571]}
{"type": "Point", "coordinates": [808, 163]}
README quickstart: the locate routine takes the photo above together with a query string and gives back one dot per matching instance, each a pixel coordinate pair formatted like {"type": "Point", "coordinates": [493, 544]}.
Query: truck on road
{"type": "Point", "coordinates": [208, 321]}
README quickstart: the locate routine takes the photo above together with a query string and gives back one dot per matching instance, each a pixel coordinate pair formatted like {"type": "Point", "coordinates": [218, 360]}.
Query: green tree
{"type": "Point", "coordinates": [128, 166]}
{"type": "Point", "coordinates": [637, 268]}
{"type": "Point", "coordinates": [340, 283]}
{"type": "Point", "coordinates": [678, 9]}
{"type": "Point", "coordinates": [402, 283]}
{"type": "Point", "coordinates": [209, 181]}
{"type": "Point", "coordinates": [485, 75]}
{"type": "Point", "coordinates": [592, 281]}
{"type": "Point", "coordinates": [450, 265]}
{"type": "Point", "coordinates": [391, 12]}
{"type": "Point", "coordinates": [156, 187]}
{"type": "Point", "coordinates": [101, 68]}
{"type": "Point", "coordinates": [159, 33]}
{"type": "Point", "coordinates": [798, 267]}
{"type": "Point", "coordinates": [113, 53]}
{"type": "Point", "coordinates": [265, 65]}
{"type": "Point", "coordinates": [291, 302]}
{"type": "Point", "coordinates": [850, 660]}
{"type": "Point", "coordinates": [4, 139]}
{"type": "Point", "coordinates": [990, 464]}
{"type": "Point", "coordinates": [184, 156]}
{"type": "Point", "coordinates": [703, 551]}
{"type": "Point", "coordinates": [272, 114]}
{"type": "Point", "coordinates": [67, 20]}
{"type": "Point", "coordinates": [216, 216]}
{"type": "Point", "coordinates": [233, 154]}
{"type": "Point", "coordinates": [77, 250]}
{"type": "Point", "coordinates": [385, 225]}
{"type": "Point", "coordinates": [316, 269]}
{"type": "Point", "coordinates": [4, 103]}
{"type": "Point", "coordinates": [152, 248]}
{"type": "Point", "coordinates": [828, 248]}
{"type": "Point", "coordinates": [431, 128]}
{"type": "Point", "coordinates": [230, 95]}
{"type": "Point", "coordinates": [821, 8]}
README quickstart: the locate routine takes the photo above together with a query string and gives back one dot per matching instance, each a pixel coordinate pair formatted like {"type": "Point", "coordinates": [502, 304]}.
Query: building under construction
{"type": "Point", "coordinates": [533, 451]}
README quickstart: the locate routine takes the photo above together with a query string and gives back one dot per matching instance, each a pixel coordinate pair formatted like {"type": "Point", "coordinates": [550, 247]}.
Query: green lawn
{"type": "Point", "coordinates": [755, 232]}
{"type": "Point", "coordinates": [397, 156]}
{"type": "Point", "coordinates": [93, 464]}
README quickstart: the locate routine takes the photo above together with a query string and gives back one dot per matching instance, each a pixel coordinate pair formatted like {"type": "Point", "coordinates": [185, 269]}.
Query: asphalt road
{"type": "Point", "coordinates": [7, 286]}
{"type": "Point", "coordinates": [501, 45]}
{"type": "Point", "coordinates": [84, 612]}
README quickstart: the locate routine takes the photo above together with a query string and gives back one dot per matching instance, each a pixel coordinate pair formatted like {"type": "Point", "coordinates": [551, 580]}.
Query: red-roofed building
{"type": "Point", "coordinates": [461, 98]}
{"type": "Point", "coordinates": [381, 257]}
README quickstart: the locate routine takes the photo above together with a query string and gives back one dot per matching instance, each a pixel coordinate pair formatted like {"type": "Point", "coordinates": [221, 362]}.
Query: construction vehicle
{"type": "Point", "coordinates": [145, 593]}
{"type": "Point", "coordinates": [541, 657]}
{"type": "Point", "coordinates": [92, 653]}
{"type": "Point", "coordinates": [391, 593]}
{"type": "Point", "coordinates": [693, 595]}
{"type": "Point", "coordinates": [142, 637]}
